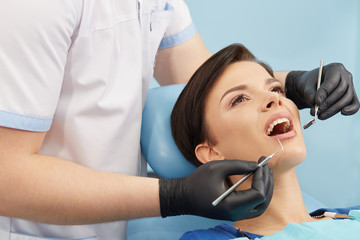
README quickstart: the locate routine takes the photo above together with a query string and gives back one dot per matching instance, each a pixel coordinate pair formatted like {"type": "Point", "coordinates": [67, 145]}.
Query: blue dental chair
{"type": "Point", "coordinates": [166, 161]}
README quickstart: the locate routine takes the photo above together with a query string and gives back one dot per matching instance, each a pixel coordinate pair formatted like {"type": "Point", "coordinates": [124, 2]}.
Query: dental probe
{"type": "Point", "coordinates": [312, 121]}
{"type": "Point", "coordinates": [265, 161]}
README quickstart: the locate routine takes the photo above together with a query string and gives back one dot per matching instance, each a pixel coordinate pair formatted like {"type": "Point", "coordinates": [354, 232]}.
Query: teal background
{"type": "Point", "coordinates": [295, 35]}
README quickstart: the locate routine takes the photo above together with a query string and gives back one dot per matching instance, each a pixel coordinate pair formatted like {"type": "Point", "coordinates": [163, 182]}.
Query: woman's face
{"type": "Point", "coordinates": [246, 112]}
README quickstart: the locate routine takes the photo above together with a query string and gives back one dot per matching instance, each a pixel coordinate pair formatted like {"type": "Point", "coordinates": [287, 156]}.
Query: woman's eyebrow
{"type": "Point", "coordinates": [271, 80]}
{"type": "Point", "coordinates": [243, 86]}
{"type": "Point", "coordinates": [236, 88]}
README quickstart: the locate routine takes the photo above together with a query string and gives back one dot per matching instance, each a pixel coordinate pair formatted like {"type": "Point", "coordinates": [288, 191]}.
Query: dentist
{"type": "Point", "coordinates": [74, 76]}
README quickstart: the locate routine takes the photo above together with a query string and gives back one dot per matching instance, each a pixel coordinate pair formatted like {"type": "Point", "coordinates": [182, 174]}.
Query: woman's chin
{"type": "Point", "coordinates": [288, 159]}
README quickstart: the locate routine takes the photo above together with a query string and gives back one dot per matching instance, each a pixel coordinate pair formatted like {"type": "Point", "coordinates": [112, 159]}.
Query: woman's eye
{"type": "Point", "coordinates": [278, 90]}
{"type": "Point", "coordinates": [237, 100]}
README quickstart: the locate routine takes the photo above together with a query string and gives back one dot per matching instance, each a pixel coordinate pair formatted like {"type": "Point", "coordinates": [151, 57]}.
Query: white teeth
{"type": "Point", "coordinates": [278, 121]}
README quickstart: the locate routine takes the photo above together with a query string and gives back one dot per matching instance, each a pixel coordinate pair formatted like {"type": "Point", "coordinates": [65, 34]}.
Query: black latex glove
{"type": "Point", "coordinates": [336, 92]}
{"type": "Point", "coordinates": [195, 193]}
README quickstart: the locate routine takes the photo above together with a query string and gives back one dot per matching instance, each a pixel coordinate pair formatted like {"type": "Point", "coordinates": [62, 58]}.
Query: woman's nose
{"type": "Point", "coordinates": [272, 100]}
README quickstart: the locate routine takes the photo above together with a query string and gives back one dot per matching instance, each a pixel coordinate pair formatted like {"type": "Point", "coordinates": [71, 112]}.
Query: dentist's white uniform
{"type": "Point", "coordinates": [80, 69]}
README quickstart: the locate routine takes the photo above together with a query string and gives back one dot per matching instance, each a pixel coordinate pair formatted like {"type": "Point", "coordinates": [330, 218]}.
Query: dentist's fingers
{"type": "Point", "coordinates": [336, 93]}
{"type": "Point", "coordinates": [195, 193]}
{"type": "Point", "coordinates": [267, 192]}
{"type": "Point", "coordinates": [352, 108]}
{"type": "Point", "coordinates": [261, 190]}
{"type": "Point", "coordinates": [255, 200]}
{"type": "Point", "coordinates": [333, 105]}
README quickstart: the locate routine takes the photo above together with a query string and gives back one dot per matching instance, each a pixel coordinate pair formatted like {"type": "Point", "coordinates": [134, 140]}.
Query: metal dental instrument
{"type": "Point", "coordinates": [312, 121]}
{"type": "Point", "coordinates": [225, 194]}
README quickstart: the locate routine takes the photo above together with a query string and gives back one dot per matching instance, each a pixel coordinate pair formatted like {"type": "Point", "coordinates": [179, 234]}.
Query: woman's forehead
{"type": "Point", "coordinates": [240, 75]}
{"type": "Point", "coordinates": [244, 71]}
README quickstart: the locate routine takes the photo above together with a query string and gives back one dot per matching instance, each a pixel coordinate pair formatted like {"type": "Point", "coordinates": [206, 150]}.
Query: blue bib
{"type": "Point", "coordinates": [323, 229]}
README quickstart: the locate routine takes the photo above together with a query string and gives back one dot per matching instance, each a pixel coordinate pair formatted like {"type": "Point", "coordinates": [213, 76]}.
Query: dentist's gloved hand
{"type": "Point", "coordinates": [336, 92]}
{"type": "Point", "coordinates": [195, 193]}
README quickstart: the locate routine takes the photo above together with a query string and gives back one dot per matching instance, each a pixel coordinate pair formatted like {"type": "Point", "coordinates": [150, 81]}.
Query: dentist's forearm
{"type": "Point", "coordinates": [51, 190]}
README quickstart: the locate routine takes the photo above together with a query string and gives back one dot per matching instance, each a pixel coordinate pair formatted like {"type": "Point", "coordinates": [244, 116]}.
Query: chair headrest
{"type": "Point", "coordinates": [156, 141]}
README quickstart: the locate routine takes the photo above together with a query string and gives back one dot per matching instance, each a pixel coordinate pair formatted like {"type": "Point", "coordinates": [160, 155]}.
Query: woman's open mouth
{"type": "Point", "coordinates": [280, 126]}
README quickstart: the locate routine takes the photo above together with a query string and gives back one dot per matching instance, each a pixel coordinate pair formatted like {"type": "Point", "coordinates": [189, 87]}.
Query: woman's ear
{"type": "Point", "coordinates": [206, 153]}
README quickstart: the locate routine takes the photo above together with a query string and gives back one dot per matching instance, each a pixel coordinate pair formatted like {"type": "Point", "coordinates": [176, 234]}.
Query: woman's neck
{"type": "Point", "coordinates": [286, 206]}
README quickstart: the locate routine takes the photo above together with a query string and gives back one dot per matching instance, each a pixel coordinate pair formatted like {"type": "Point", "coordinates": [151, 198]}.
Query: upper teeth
{"type": "Point", "coordinates": [278, 121]}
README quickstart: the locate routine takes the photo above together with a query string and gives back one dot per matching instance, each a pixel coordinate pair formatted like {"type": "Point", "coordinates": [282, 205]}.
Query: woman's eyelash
{"type": "Point", "coordinates": [278, 89]}
{"type": "Point", "coordinates": [242, 97]}
{"type": "Point", "coordinates": [238, 99]}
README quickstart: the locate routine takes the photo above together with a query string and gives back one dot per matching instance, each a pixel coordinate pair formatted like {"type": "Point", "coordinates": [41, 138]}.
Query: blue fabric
{"type": "Point", "coordinates": [178, 38]}
{"type": "Point", "coordinates": [225, 231]}
{"type": "Point", "coordinates": [24, 122]}
{"type": "Point", "coordinates": [222, 231]}
{"type": "Point", "coordinates": [326, 229]}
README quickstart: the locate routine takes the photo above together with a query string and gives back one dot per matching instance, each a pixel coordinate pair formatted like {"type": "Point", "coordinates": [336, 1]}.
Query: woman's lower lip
{"type": "Point", "coordinates": [287, 135]}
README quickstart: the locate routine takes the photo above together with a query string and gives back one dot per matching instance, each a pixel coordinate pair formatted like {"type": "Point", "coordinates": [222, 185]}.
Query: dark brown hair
{"type": "Point", "coordinates": [187, 118]}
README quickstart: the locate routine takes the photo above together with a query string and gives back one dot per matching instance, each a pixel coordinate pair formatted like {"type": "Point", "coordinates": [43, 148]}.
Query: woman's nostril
{"type": "Point", "coordinates": [269, 105]}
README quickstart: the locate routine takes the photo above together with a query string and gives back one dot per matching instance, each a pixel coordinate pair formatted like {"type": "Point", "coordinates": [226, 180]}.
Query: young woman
{"type": "Point", "coordinates": [234, 108]}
